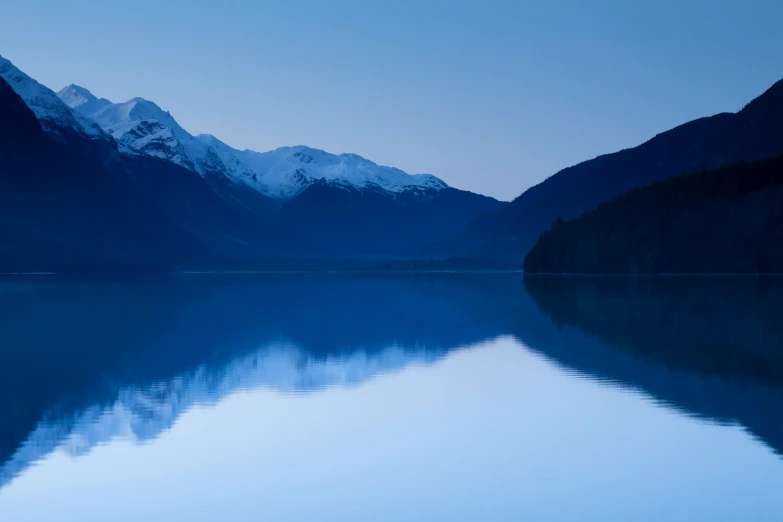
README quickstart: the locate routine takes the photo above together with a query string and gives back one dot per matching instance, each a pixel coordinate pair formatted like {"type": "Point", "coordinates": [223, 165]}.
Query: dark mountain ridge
{"type": "Point", "coordinates": [726, 221]}
{"type": "Point", "coordinates": [371, 222]}
{"type": "Point", "coordinates": [755, 133]}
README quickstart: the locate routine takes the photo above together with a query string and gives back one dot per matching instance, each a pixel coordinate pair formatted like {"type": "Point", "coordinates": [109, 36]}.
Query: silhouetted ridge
{"type": "Point", "coordinates": [723, 221]}
{"type": "Point", "coordinates": [753, 134]}
{"type": "Point", "coordinates": [770, 100]}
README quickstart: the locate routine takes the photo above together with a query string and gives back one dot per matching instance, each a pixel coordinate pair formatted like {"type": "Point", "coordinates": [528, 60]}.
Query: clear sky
{"type": "Point", "coordinates": [491, 96]}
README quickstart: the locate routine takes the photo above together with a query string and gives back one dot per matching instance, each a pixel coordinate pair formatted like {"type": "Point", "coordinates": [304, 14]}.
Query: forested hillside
{"type": "Point", "coordinates": [728, 220]}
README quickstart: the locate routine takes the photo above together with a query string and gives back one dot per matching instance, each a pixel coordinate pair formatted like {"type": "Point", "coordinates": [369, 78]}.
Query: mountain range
{"type": "Point", "coordinates": [92, 184]}
{"type": "Point", "coordinates": [141, 127]}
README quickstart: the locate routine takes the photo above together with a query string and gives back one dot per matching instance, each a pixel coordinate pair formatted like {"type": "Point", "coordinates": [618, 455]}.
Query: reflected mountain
{"type": "Point", "coordinates": [82, 362]}
{"type": "Point", "coordinates": [145, 412]}
{"type": "Point", "coordinates": [710, 347]}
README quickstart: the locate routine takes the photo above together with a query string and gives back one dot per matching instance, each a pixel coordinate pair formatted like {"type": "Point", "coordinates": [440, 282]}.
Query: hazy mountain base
{"type": "Point", "coordinates": [454, 264]}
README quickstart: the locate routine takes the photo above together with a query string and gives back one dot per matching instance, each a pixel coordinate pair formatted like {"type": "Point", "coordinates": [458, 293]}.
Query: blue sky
{"type": "Point", "coordinates": [491, 96]}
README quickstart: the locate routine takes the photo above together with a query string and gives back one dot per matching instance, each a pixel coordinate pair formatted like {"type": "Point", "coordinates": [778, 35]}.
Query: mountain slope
{"type": "Point", "coordinates": [370, 222]}
{"type": "Point", "coordinates": [724, 221]}
{"type": "Point", "coordinates": [71, 201]}
{"type": "Point", "coordinates": [754, 133]}
{"type": "Point", "coordinates": [58, 208]}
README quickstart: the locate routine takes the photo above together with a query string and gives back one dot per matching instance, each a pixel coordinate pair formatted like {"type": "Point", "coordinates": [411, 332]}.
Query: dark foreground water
{"type": "Point", "coordinates": [417, 398]}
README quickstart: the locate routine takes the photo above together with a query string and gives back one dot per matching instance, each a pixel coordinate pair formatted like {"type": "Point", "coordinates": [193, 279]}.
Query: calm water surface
{"type": "Point", "coordinates": [410, 397]}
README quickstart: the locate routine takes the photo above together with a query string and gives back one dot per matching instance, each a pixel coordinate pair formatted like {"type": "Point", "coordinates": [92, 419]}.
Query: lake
{"type": "Point", "coordinates": [414, 397]}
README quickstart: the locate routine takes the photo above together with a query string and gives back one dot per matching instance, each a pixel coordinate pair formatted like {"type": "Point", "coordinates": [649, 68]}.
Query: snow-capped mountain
{"type": "Point", "coordinates": [140, 126]}
{"type": "Point", "coordinates": [147, 190]}
{"type": "Point", "coordinates": [55, 117]}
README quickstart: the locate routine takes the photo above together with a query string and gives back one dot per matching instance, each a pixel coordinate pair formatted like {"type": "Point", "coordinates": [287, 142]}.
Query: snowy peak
{"type": "Point", "coordinates": [287, 171]}
{"type": "Point", "coordinates": [140, 126]}
{"type": "Point", "coordinates": [116, 118]}
{"type": "Point", "coordinates": [350, 169]}
{"type": "Point", "coordinates": [55, 116]}
{"type": "Point", "coordinates": [119, 118]}
{"type": "Point", "coordinates": [73, 96]}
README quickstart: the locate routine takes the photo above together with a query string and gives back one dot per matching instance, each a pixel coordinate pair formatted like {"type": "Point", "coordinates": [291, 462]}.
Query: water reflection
{"type": "Point", "coordinates": [84, 362]}
{"type": "Point", "coordinates": [708, 347]}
